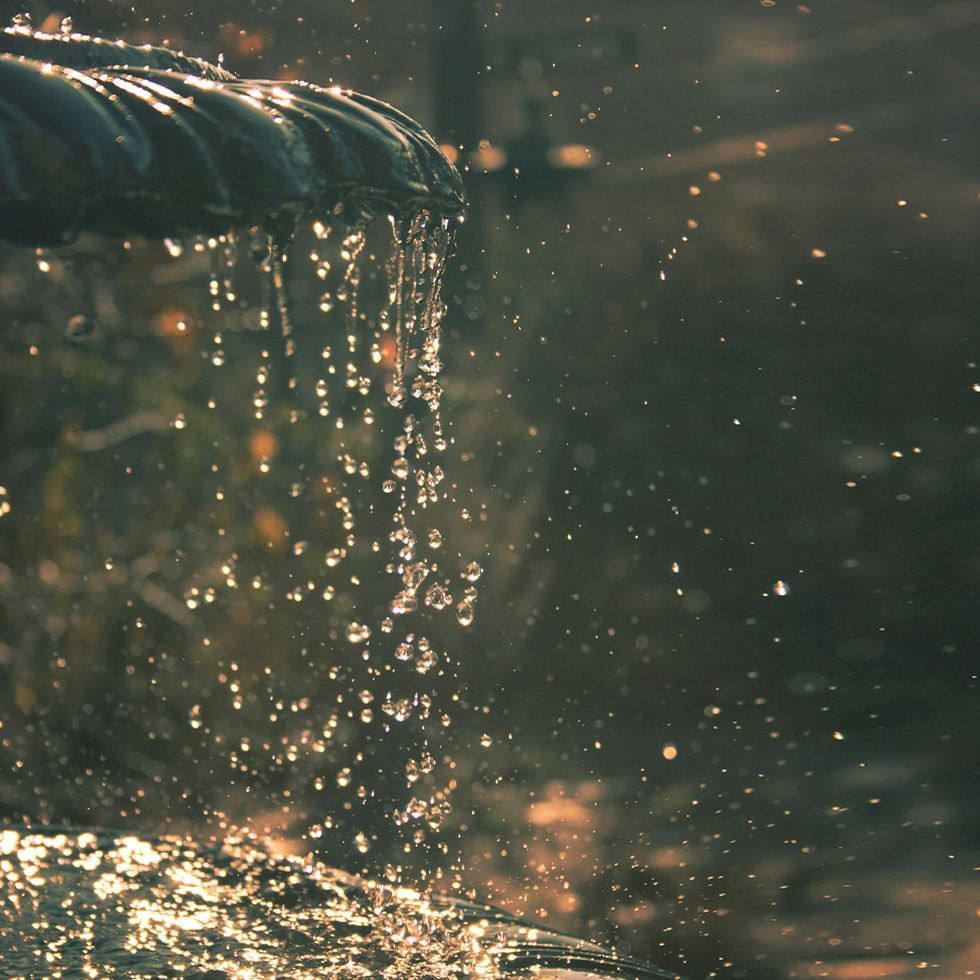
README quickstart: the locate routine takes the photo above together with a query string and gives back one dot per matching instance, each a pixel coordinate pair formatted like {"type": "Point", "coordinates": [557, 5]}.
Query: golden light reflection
{"type": "Point", "coordinates": [103, 905]}
{"type": "Point", "coordinates": [571, 156]}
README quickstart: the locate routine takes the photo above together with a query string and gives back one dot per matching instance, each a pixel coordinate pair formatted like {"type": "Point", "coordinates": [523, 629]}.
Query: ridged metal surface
{"type": "Point", "coordinates": [159, 144]}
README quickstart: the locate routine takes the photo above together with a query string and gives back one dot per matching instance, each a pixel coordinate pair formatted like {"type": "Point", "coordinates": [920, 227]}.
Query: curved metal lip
{"type": "Point", "coordinates": [86, 51]}
{"type": "Point", "coordinates": [119, 139]}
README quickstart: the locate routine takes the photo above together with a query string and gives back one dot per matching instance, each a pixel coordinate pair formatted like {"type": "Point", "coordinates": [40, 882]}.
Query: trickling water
{"type": "Point", "coordinates": [378, 592]}
{"type": "Point", "coordinates": [324, 493]}
{"type": "Point", "coordinates": [359, 367]}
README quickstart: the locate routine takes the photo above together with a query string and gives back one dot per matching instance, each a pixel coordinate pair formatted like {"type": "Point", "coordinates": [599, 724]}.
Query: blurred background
{"type": "Point", "coordinates": [712, 382]}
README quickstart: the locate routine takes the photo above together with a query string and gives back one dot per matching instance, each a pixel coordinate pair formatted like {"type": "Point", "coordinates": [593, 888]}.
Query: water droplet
{"type": "Point", "coordinates": [80, 327]}
{"type": "Point", "coordinates": [780, 588]}
{"type": "Point", "coordinates": [465, 613]}
{"type": "Point", "coordinates": [472, 572]}
{"type": "Point", "coordinates": [403, 604]}
{"type": "Point", "coordinates": [486, 741]}
{"type": "Point", "coordinates": [437, 597]}
{"type": "Point", "coordinates": [67, 25]}
{"type": "Point", "coordinates": [358, 632]}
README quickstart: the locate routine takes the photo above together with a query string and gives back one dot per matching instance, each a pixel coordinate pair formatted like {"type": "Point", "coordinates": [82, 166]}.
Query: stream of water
{"type": "Point", "coordinates": [329, 501]}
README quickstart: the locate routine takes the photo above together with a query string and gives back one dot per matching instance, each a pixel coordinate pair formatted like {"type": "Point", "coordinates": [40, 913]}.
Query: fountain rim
{"type": "Point", "coordinates": [338, 152]}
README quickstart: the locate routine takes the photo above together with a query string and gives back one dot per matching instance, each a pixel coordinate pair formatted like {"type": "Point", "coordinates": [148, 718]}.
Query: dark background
{"type": "Point", "coordinates": [741, 344]}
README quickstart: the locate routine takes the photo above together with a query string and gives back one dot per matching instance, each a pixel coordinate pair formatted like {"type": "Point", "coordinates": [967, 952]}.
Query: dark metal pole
{"type": "Point", "coordinates": [458, 114]}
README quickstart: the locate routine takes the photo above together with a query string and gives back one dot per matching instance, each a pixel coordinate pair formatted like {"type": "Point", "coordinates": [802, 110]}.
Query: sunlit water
{"type": "Point", "coordinates": [338, 322]}
{"type": "Point", "coordinates": [379, 592]}
{"type": "Point", "coordinates": [377, 589]}
{"type": "Point", "coordinates": [104, 905]}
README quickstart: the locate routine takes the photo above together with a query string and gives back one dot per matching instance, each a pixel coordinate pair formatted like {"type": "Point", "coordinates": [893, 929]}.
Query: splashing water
{"type": "Point", "coordinates": [378, 374]}
{"type": "Point", "coordinates": [316, 591]}
{"type": "Point", "coordinates": [343, 327]}
{"type": "Point", "coordinates": [375, 594]}
{"type": "Point", "coordinates": [164, 907]}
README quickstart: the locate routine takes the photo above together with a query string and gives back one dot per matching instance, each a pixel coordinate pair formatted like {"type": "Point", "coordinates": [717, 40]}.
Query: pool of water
{"type": "Point", "coordinates": [83, 903]}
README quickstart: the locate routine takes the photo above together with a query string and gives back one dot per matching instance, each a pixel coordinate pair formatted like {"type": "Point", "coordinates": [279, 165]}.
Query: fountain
{"type": "Point", "coordinates": [323, 220]}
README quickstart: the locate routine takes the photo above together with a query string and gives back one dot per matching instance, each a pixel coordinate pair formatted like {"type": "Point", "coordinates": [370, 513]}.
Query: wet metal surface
{"type": "Point", "coordinates": [159, 144]}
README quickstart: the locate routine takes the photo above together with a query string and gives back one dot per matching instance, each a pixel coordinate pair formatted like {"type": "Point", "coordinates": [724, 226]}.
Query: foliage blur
{"type": "Point", "coordinates": [713, 402]}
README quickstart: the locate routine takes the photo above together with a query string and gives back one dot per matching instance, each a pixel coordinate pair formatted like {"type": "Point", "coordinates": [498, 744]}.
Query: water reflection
{"type": "Point", "coordinates": [98, 904]}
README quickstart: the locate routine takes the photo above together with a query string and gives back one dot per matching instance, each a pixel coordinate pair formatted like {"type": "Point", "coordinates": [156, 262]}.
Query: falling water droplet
{"type": "Point", "coordinates": [426, 660]}
{"type": "Point", "coordinates": [465, 613]}
{"type": "Point", "coordinates": [358, 632]}
{"type": "Point", "coordinates": [80, 327]}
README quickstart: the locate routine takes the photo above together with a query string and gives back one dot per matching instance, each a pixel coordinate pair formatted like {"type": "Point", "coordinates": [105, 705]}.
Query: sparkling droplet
{"type": "Point", "coordinates": [358, 632]}
{"type": "Point", "coordinates": [426, 660]}
{"type": "Point", "coordinates": [437, 597]}
{"type": "Point", "coordinates": [404, 603]}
